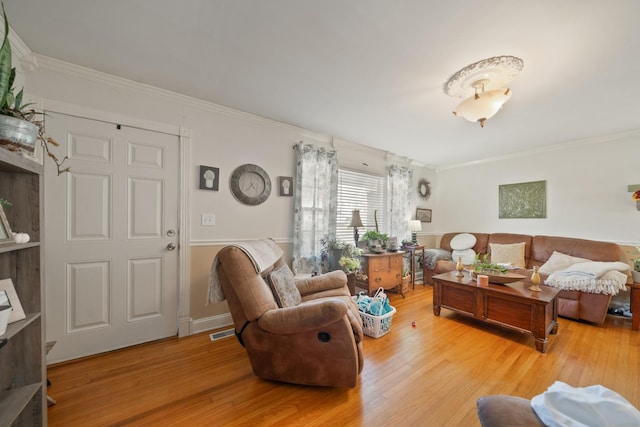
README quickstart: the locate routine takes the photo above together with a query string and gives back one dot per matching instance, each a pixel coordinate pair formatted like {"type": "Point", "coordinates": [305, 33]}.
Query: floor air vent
{"type": "Point", "coordinates": [222, 334]}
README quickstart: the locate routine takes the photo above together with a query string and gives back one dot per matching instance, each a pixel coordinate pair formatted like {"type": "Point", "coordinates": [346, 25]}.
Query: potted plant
{"type": "Point", "coordinates": [349, 264]}
{"type": "Point", "coordinates": [373, 238]}
{"type": "Point", "coordinates": [20, 126]}
{"type": "Point", "coordinates": [406, 277]}
{"type": "Point", "coordinates": [339, 255]}
{"type": "Point", "coordinates": [636, 270]}
{"type": "Point", "coordinates": [484, 267]}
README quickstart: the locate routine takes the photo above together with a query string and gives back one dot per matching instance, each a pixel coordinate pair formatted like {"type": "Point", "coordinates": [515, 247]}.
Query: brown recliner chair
{"type": "Point", "coordinates": [317, 342]}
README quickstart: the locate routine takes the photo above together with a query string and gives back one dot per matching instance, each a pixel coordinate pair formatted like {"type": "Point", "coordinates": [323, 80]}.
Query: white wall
{"type": "Point", "coordinates": [220, 137]}
{"type": "Point", "coordinates": [586, 191]}
{"type": "Point", "coordinates": [586, 180]}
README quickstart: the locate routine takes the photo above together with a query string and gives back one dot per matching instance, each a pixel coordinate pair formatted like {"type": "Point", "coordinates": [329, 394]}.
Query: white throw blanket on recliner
{"type": "Point", "coordinates": [562, 405]}
{"type": "Point", "coordinates": [263, 253]}
{"type": "Point", "coordinates": [597, 277]}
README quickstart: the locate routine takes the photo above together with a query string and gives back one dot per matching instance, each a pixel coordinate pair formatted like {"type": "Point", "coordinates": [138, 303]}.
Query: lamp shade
{"type": "Point", "coordinates": [355, 219]}
{"type": "Point", "coordinates": [483, 106]}
{"type": "Point", "coordinates": [415, 225]}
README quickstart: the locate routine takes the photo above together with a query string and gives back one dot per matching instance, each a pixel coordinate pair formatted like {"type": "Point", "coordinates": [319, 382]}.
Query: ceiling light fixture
{"type": "Point", "coordinates": [482, 84]}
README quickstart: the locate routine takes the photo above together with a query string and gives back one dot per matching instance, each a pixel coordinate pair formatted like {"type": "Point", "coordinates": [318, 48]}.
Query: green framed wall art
{"type": "Point", "coordinates": [523, 200]}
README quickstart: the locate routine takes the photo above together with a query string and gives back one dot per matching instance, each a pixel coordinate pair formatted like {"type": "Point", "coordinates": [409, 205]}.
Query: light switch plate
{"type": "Point", "coordinates": [208, 219]}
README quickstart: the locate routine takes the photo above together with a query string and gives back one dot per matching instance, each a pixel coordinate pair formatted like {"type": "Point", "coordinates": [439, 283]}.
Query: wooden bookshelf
{"type": "Point", "coordinates": [22, 363]}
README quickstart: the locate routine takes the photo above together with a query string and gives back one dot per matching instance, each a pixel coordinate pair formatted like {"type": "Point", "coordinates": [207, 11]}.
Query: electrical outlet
{"type": "Point", "coordinates": [208, 219]}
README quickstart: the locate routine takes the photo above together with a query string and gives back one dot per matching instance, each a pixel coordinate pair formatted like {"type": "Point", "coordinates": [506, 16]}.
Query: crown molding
{"type": "Point", "coordinates": [105, 116]}
{"type": "Point", "coordinates": [18, 47]}
{"type": "Point", "coordinates": [225, 242]}
{"type": "Point", "coordinates": [599, 139]}
{"type": "Point", "coordinates": [25, 59]}
{"type": "Point", "coordinates": [89, 74]}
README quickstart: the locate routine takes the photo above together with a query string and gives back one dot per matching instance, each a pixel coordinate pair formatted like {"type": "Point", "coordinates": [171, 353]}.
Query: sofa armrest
{"type": "Point", "coordinates": [324, 282]}
{"type": "Point", "coordinates": [304, 317]}
{"type": "Point", "coordinates": [506, 411]}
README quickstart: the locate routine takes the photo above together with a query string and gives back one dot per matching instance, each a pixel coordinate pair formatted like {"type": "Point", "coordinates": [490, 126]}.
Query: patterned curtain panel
{"type": "Point", "coordinates": [400, 201]}
{"type": "Point", "coordinates": [315, 205]}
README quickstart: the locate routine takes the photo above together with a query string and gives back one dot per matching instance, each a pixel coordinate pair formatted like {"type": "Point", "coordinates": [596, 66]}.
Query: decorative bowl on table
{"type": "Point", "coordinates": [498, 277]}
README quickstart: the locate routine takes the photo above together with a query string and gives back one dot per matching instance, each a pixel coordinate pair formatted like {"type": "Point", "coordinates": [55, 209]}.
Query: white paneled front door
{"type": "Point", "coordinates": [111, 237]}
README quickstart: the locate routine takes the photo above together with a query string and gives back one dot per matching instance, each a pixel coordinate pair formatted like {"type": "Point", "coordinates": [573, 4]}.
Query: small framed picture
{"type": "Point", "coordinates": [209, 178]}
{"type": "Point", "coordinates": [17, 313]}
{"type": "Point", "coordinates": [423, 215]}
{"type": "Point", "coordinates": [4, 300]}
{"type": "Point", "coordinates": [6, 235]}
{"type": "Point", "coordinates": [285, 186]}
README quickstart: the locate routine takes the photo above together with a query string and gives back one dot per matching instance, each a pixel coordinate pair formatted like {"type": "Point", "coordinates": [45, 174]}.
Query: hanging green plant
{"type": "Point", "coordinates": [20, 125]}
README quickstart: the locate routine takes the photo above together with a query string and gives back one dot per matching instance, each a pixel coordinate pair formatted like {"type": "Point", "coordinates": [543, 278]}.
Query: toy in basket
{"type": "Point", "coordinates": [376, 313]}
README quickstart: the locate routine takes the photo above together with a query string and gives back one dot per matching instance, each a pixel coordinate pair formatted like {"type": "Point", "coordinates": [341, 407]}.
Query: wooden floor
{"type": "Point", "coordinates": [430, 375]}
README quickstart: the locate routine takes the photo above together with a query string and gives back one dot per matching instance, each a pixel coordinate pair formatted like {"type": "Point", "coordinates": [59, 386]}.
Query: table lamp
{"type": "Point", "coordinates": [414, 227]}
{"type": "Point", "coordinates": [355, 223]}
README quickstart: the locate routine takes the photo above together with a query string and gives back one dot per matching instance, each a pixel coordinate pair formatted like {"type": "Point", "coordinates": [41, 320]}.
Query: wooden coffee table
{"type": "Point", "coordinates": [512, 305]}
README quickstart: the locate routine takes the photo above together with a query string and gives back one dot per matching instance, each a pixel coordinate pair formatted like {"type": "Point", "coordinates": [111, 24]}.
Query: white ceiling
{"type": "Point", "coordinates": [366, 71]}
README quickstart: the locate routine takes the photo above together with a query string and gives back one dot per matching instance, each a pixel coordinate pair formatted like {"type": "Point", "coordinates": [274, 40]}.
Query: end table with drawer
{"type": "Point", "coordinates": [383, 270]}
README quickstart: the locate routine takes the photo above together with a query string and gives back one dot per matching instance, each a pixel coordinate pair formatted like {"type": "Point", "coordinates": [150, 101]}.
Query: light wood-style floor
{"type": "Point", "coordinates": [430, 375]}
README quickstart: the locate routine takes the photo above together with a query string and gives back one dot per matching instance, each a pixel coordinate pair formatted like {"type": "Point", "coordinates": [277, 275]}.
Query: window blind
{"type": "Point", "coordinates": [363, 191]}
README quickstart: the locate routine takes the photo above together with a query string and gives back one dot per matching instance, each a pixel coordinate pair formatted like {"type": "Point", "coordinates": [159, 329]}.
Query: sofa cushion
{"type": "Point", "coordinates": [559, 261]}
{"type": "Point", "coordinates": [463, 241]}
{"type": "Point", "coordinates": [543, 247]}
{"type": "Point", "coordinates": [283, 286]}
{"type": "Point", "coordinates": [512, 254]}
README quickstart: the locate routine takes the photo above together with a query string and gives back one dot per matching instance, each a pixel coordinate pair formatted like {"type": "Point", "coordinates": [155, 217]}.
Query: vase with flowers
{"type": "Point", "coordinates": [636, 197]}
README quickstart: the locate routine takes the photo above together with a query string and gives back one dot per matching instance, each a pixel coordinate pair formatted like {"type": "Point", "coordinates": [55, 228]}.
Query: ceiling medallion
{"type": "Point", "coordinates": [483, 84]}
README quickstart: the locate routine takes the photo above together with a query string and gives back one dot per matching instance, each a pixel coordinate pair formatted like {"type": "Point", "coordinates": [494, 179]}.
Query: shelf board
{"type": "Point", "coordinates": [13, 402]}
{"type": "Point", "coordinates": [14, 162]}
{"type": "Point", "coordinates": [17, 326]}
{"type": "Point", "coordinates": [10, 247]}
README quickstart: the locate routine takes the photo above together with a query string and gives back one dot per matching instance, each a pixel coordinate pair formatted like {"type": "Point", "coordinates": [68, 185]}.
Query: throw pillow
{"type": "Point", "coordinates": [468, 256]}
{"type": "Point", "coordinates": [284, 288]}
{"type": "Point", "coordinates": [559, 261]}
{"type": "Point", "coordinates": [512, 254]}
{"type": "Point", "coordinates": [463, 241]}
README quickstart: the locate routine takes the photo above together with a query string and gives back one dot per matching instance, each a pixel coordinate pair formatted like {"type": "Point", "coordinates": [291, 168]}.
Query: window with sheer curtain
{"type": "Point", "coordinates": [363, 191]}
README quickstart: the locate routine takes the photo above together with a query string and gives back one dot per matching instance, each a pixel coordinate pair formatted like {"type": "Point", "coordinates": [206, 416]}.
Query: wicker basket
{"type": "Point", "coordinates": [376, 326]}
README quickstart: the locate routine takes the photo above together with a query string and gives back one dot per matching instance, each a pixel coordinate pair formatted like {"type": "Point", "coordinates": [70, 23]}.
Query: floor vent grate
{"type": "Point", "coordinates": [221, 334]}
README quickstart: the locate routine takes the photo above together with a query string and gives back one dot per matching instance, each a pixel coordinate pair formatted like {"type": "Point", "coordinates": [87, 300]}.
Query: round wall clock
{"type": "Point", "coordinates": [250, 184]}
{"type": "Point", "coordinates": [424, 189]}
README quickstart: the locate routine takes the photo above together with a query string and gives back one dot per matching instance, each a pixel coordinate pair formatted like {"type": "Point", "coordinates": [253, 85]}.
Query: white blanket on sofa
{"type": "Point", "coordinates": [594, 276]}
{"type": "Point", "coordinates": [562, 405]}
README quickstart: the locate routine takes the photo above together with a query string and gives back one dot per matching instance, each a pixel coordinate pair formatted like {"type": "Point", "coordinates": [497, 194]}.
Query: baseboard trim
{"type": "Point", "coordinates": [210, 323]}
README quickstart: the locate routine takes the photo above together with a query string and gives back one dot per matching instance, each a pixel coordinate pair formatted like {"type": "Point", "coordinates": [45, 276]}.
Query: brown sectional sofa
{"type": "Point", "coordinates": [576, 305]}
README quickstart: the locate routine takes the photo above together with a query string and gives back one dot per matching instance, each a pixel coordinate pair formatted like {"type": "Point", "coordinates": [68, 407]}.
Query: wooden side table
{"type": "Point", "coordinates": [415, 251]}
{"type": "Point", "coordinates": [635, 306]}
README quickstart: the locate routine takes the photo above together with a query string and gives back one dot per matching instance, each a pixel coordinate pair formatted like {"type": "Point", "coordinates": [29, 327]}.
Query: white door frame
{"type": "Point", "coordinates": [184, 140]}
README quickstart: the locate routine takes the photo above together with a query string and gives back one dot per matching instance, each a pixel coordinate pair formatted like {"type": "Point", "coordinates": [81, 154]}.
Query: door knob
{"type": "Point", "coordinates": [171, 246]}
